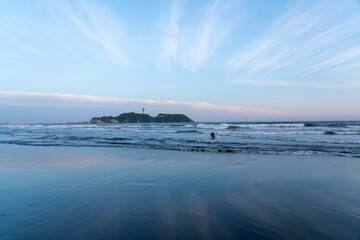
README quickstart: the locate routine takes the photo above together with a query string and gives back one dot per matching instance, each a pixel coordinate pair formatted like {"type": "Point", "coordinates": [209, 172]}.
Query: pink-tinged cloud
{"type": "Point", "coordinates": [72, 98]}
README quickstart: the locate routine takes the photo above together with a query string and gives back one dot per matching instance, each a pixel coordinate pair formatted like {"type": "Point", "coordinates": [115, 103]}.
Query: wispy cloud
{"type": "Point", "coordinates": [313, 44]}
{"type": "Point", "coordinates": [87, 31]}
{"type": "Point", "coordinates": [16, 36]}
{"type": "Point", "coordinates": [5, 53]}
{"type": "Point", "coordinates": [95, 33]}
{"type": "Point", "coordinates": [30, 96]}
{"type": "Point", "coordinates": [170, 40]}
{"type": "Point", "coordinates": [101, 26]}
{"type": "Point", "coordinates": [193, 44]}
{"type": "Point", "coordinates": [210, 33]}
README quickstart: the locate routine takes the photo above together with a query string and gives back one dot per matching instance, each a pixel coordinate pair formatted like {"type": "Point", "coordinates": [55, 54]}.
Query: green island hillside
{"type": "Point", "coordinates": [142, 118]}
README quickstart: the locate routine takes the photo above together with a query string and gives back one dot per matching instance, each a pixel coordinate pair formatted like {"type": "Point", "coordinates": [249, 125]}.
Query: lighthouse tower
{"type": "Point", "coordinates": [143, 110]}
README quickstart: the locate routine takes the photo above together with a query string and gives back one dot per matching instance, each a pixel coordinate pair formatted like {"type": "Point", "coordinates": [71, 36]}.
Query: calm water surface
{"type": "Point", "coordinates": [115, 193]}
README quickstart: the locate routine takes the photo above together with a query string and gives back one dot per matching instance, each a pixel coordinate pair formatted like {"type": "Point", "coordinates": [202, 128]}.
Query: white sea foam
{"type": "Point", "coordinates": [279, 138]}
{"type": "Point", "coordinates": [268, 125]}
{"type": "Point", "coordinates": [213, 126]}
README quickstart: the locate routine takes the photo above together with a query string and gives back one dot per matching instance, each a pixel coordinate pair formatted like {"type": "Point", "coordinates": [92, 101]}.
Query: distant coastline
{"type": "Point", "coordinates": [141, 118]}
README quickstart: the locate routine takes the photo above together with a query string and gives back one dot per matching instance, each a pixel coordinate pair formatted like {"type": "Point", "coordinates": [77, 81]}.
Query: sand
{"type": "Point", "coordinates": [113, 193]}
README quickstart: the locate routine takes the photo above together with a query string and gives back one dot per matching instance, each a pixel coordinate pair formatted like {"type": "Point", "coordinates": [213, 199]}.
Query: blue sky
{"type": "Point", "coordinates": [212, 60]}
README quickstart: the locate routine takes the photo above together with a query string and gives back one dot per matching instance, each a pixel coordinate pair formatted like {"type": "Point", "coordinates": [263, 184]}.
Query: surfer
{"type": "Point", "coordinates": [212, 135]}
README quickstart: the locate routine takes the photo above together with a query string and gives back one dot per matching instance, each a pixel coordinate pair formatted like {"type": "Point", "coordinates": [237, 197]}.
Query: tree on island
{"type": "Point", "coordinates": [133, 117]}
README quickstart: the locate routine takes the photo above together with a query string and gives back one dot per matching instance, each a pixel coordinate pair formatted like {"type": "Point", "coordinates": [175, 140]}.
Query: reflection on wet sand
{"type": "Point", "coordinates": [90, 193]}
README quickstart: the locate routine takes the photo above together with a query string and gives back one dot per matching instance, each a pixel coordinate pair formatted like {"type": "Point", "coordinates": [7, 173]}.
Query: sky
{"type": "Point", "coordinates": [218, 60]}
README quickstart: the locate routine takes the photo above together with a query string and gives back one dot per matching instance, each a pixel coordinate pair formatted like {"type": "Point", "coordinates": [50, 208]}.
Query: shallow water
{"type": "Point", "coordinates": [112, 193]}
{"type": "Point", "coordinates": [297, 138]}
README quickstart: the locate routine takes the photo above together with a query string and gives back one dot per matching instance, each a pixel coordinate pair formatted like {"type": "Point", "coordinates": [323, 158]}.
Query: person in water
{"type": "Point", "coordinates": [212, 135]}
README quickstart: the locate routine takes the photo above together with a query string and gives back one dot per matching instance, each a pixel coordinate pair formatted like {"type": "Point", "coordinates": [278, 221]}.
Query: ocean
{"type": "Point", "coordinates": [328, 138]}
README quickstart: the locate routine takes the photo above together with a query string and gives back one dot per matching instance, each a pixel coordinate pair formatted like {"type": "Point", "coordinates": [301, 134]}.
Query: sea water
{"type": "Point", "coordinates": [337, 138]}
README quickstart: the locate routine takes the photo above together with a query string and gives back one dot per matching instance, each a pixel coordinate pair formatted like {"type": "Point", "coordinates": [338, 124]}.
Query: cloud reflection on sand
{"type": "Point", "coordinates": [78, 162]}
{"type": "Point", "coordinates": [178, 195]}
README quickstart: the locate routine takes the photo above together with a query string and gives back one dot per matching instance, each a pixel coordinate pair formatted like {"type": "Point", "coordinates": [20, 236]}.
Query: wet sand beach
{"type": "Point", "coordinates": [119, 193]}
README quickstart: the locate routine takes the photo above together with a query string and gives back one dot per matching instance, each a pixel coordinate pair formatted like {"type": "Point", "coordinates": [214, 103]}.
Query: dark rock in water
{"type": "Point", "coordinates": [232, 127]}
{"type": "Point", "coordinates": [308, 124]}
{"type": "Point", "coordinates": [225, 150]}
{"type": "Point", "coordinates": [329, 133]}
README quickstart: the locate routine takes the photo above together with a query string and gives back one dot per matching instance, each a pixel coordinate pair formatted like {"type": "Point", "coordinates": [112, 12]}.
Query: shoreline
{"type": "Point", "coordinates": [199, 150]}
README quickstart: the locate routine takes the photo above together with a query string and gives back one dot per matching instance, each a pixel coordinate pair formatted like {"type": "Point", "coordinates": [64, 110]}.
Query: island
{"type": "Point", "coordinates": [133, 117]}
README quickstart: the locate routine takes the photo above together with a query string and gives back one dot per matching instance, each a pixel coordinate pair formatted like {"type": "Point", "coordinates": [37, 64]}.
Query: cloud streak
{"type": "Point", "coordinates": [86, 31]}
{"type": "Point", "coordinates": [313, 44]}
{"type": "Point", "coordinates": [99, 25]}
{"type": "Point", "coordinates": [71, 98]}
{"type": "Point", "coordinates": [170, 41]}
{"type": "Point", "coordinates": [192, 44]}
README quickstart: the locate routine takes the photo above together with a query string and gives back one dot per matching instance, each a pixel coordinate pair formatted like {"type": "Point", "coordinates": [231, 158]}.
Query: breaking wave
{"type": "Point", "coordinates": [300, 138]}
